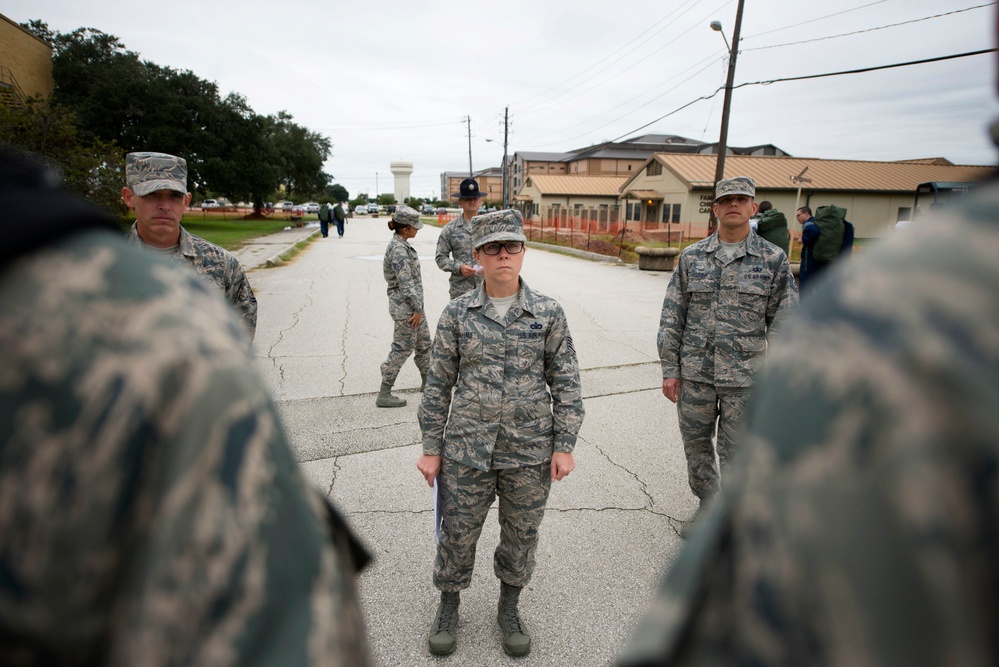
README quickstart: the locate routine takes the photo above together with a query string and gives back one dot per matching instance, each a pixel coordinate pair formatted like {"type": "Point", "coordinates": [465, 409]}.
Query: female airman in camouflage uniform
{"type": "Point", "coordinates": [506, 352]}
{"type": "Point", "coordinates": [405, 292]}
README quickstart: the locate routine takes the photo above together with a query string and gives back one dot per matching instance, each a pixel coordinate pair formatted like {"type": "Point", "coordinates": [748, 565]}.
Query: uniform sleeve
{"type": "Point", "coordinates": [241, 295]}
{"type": "Point", "coordinates": [443, 255]}
{"type": "Point", "coordinates": [562, 377]}
{"type": "Point", "coordinates": [673, 321]}
{"type": "Point", "coordinates": [407, 271]}
{"type": "Point", "coordinates": [783, 298]}
{"type": "Point", "coordinates": [441, 378]}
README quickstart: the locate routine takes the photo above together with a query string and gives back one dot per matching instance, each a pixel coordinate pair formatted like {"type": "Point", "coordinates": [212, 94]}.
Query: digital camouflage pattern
{"type": "Point", "coordinates": [517, 396]}
{"type": "Point", "coordinates": [465, 495]}
{"type": "Point", "coordinates": [148, 172]}
{"type": "Point", "coordinates": [700, 405]}
{"type": "Point", "coordinates": [406, 341]}
{"type": "Point", "coordinates": [716, 316]}
{"type": "Point", "coordinates": [405, 215]}
{"type": "Point", "coordinates": [861, 525]}
{"type": "Point", "coordinates": [152, 512]}
{"type": "Point", "coordinates": [218, 266]}
{"type": "Point", "coordinates": [401, 268]}
{"type": "Point", "coordinates": [739, 185]}
{"type": "Point", "coordinates": [506, 225]}
{"type": "Point", "coordinates": [454, 248]}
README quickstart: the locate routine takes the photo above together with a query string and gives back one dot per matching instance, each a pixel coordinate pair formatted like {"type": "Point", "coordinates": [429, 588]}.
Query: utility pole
{"type": "Point", "coordinates": [506, 130]}
{"type": "Point", "coordinates": [726, 105]}
{"type": "Point", "coordinates": [469, 119]}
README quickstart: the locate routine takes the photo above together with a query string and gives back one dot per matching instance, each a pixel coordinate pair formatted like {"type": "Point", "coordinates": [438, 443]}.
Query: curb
{"type": "Point", "coordinates": [275, 260]}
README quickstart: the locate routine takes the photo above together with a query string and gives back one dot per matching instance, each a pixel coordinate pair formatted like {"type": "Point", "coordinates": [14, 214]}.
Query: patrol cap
{"type": "Point", "coordinates": [506, 225]}
{"type": "Point", "coordinates": [149, 172]}
{"type": "Point", "coordinates": [469, 189]}
{"type": "Point", "coordinates": [739, 185]}
{"type": "Point", "coordinates": [404, 215]}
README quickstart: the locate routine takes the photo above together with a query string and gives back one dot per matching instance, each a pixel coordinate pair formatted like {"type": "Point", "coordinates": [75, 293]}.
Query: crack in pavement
{"type": "Point", "coordinates": [281, 332]}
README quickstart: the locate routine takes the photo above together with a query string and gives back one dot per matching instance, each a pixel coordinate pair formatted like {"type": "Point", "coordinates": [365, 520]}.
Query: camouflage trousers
{"type": "Point", "coordinates": [699, 408]}
{"type": "Point", "coordinates": [464, 497]}
{"type": "Point", "coordinates": [405, 341]}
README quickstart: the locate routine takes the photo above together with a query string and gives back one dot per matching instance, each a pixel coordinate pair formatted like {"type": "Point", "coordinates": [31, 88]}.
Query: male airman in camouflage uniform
{"type": "Point", "coordinates": [454, 245]}
{"type": "Point", "coordinates": [860, 524]}
{"type": "Point", "coordinates": [728, 293]}
{"type": "Point", "coordinates": [157, 190]}
{"type": "Point", "coordinates": [152, 512]}
{"type": "Point", "coordinates": [411, 335]}
{"type": "Point", "coordinates": [509, 429]}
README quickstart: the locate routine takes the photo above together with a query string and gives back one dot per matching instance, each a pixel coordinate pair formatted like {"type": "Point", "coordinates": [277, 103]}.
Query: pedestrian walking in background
{"type": "Point", "coordinates": [325, 215]}
{"type": "Point", "coordinates": [771, 225]}
{"type": "Point", "coordinates": [825, 239]}
{"type": "Point", "coordinates": [509, 428]}
{"type": "Point", "coordinates": [728, 293]}
{"type": "Point", "coordinates": [340, 217]}
{"type": "Point", "coordinates": [401, 268]}
{"type": "Point", "coordinates": [454, 245]}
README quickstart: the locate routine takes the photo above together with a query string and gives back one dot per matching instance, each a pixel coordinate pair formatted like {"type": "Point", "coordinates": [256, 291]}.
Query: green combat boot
{"type": "Point", "coordinates": [387, 400]}
{"type": "Point", "coordinates": [516, 641]}
{"type": "Point", "coordinates": [444, 631]}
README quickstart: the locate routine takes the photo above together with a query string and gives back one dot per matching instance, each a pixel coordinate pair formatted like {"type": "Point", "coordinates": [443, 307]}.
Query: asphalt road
{"type": "Point", "coordinates": [611, 527]}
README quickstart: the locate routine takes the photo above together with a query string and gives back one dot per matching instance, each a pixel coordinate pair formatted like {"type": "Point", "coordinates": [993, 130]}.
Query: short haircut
{"type": "Point", "coordinates": [765, 205]}
{"type": "Point", "coordinates": [805, 209]}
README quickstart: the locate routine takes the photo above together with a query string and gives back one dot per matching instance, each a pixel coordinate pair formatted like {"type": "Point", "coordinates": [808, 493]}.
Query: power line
{"type": "Point", "coordinates": [809, 76]}
{"type": "Point", "coordinates": [858, 32]}
{"type": "Point", "coordinates": [602, 61]}
{"type": "Point", "coordinates": [820, 18]}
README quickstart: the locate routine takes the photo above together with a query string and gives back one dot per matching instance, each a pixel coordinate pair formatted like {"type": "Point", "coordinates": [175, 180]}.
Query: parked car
{"type": "Point", "coordinates": [373, 208]}
{"type": "Point", "coordinates": [361, 209]}
{"type": "Point", "coordinates": [427, 209]}
{"type": "Point", "coordinates": [442, 210]}
{"type": "Point", "coordinates": [390, 208]}
{"type": "Point", "coordinates": [297, 212]}
{"type": "Point", "coordinates": [209, 203]}
{"type": "Point", "coordinates": [287, 205]}
{"type": "Point", "coordinates": [312, 207]}
{"type": "Point", "coordinates": [482, 209]}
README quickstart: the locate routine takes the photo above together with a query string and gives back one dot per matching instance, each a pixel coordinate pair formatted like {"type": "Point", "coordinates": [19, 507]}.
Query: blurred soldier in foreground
{"type": "Point", "coordinates": [862, 524]}
{"type": "Point", "coordinates": [151, 512]}
{"type": "Point", "coordinates": [157, 190]}
{"type": "Point", "coordinates": [729, 292]}
{"type": "Point", "coordinates": [499, 417]}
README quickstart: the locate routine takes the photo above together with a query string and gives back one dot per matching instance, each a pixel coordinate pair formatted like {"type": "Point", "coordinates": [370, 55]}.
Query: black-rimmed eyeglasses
{"type": "Point", "coordinates": [512, 247]}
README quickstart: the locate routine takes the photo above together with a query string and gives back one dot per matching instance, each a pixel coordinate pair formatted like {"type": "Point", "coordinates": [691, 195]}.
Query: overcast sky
{"type": "Point", "coordinates": [396, 80]}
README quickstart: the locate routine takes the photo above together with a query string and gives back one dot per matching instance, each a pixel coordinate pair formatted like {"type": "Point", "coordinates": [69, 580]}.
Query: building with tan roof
{"type": "Point", "coordinates": [566, 193]}
{"type": "Point", "coordinates": [677, 188]}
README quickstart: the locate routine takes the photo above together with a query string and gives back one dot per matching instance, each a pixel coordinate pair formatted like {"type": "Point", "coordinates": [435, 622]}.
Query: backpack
{"type": "Point", "coordinates": [338, 213]}
{"type": "Point", "coordinates": [772, 226]}
{"type": "Point", "coordinates": [830, 221]}
{"type": "Point", "coordinates": [324, 213]}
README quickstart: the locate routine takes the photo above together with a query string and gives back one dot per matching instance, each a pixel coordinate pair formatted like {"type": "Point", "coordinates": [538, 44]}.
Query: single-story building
{"type": "Point", "coordinates": [671, 188]}
{"type": "Point", "coordinates": [561, 197]}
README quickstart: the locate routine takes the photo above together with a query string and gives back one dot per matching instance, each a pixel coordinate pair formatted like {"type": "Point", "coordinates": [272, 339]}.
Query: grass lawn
{"type": "Point", "coordinates": [231, 234]}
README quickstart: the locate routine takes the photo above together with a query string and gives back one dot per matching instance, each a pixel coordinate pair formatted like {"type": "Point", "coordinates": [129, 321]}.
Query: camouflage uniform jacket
{"type": "Point", "coordinates": [716, 317]}
{"type": "Point", "coordinates": [517, 396]}
{"type": "Point", "coordinates": [860, 526]}
{"type": "Point", "coordinates": [401, 268]}
{"type": "Point", "coordinates": [218, 265]}
{"type": "Point", "coordinates": [152, 512]}
{"type": "Point", "coordinates": [454, 248]}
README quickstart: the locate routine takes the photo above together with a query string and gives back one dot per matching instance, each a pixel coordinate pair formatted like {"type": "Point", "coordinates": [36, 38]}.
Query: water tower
{"type": "Point", "coordinates": [401, 169]}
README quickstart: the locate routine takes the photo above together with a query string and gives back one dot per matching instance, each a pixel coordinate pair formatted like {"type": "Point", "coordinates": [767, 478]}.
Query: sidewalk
{"type": "Point", "coordinates": [264, 251]}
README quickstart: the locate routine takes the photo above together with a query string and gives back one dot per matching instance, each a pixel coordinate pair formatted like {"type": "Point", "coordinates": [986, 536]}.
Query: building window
{"type": "Point", "coordinates": [654, 169]}
{"type": "Point", "coordinates": [676, 213]}
{"type": "Point", "coordinates": [904, 213]}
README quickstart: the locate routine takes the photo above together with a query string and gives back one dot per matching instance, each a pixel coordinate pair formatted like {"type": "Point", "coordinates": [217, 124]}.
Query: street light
{"type": "Point", "coordinates": [733, 51]}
